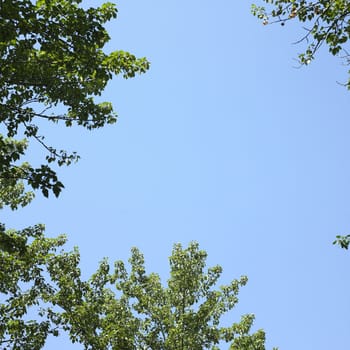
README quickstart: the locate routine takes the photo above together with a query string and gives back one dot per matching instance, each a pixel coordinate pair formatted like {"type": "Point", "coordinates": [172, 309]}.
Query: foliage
{"type": "Point", "coordinates": [343, 241]}
{"type": "Point", "coordinates": [12, 191]}
{"type": "Point", "coordinates": [117, 309]}
{"type": "Point", "coordinates": [52, 65]}
{"type": "Point", "coordinates": [328, 23]}
{"type": "Point", "coordinates": [185, 314]}
{"type": "Point", "coordinates": [25, 289]}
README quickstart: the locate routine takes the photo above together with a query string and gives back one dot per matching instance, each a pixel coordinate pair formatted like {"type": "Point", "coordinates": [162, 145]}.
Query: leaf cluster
{"type": "Point", "coordinates": [328, 23]}
{"type": "Point", "coordinates": [24, 286]}
{"type": "Point", "coordinates": [342, 241]}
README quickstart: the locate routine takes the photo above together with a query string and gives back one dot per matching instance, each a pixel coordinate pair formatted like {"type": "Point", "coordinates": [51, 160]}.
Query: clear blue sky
{"type": "Point", "coordinates": [224, 142]}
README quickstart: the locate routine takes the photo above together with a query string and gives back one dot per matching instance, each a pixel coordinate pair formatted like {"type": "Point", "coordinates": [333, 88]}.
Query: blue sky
{"type": "Point", "coordinates": [224, 141]}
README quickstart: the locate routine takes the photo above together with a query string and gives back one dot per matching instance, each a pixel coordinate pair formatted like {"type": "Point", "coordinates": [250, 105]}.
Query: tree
{"type": "Point", "coordinates": [52, 65]}
{"type": "Point", "coordinates": [134, 310]}
{"type": "Point", "coordinates": [328, 23]}
{"type": "Point", "coordinates": [117, 309]}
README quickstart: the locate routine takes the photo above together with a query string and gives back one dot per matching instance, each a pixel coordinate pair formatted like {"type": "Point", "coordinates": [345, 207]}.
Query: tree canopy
{"type": "Point", "coordinates": [52, 66]}
{"type": "Point", "coordinates": [42, 293]}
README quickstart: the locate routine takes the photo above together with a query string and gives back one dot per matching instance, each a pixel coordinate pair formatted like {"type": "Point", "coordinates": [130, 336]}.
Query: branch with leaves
{"type": "Point", "coordinates": [52, 67]}
{"type": "Point", "coordinates": [327, 23]}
